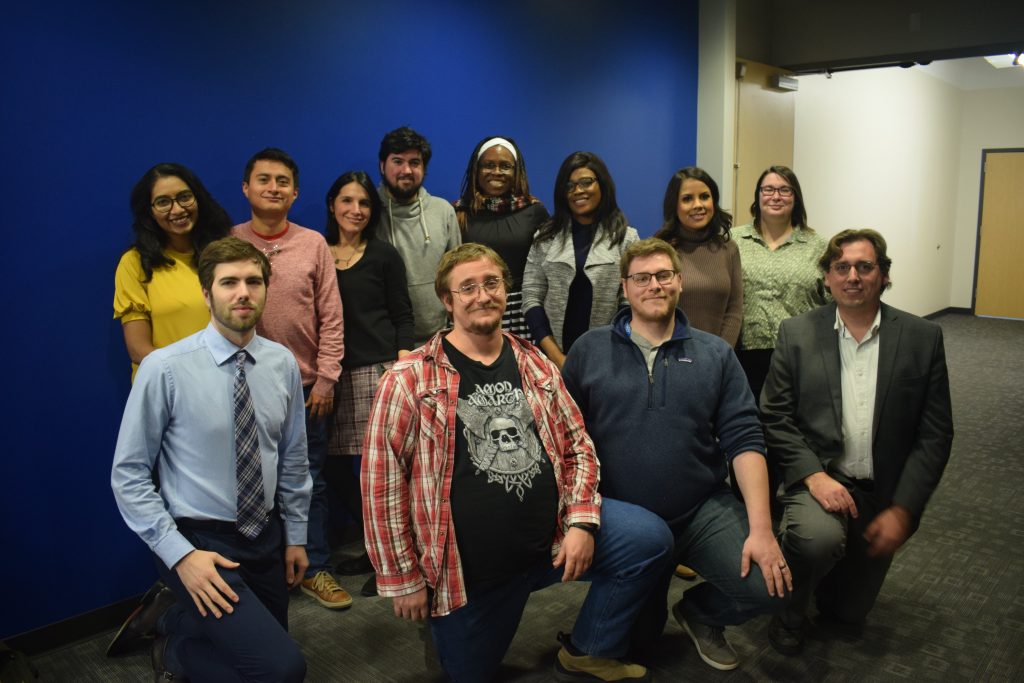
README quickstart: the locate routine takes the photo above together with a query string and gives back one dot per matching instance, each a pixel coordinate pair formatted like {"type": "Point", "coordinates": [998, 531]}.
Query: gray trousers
{"type": "Point", "coordinates": [827, 555]}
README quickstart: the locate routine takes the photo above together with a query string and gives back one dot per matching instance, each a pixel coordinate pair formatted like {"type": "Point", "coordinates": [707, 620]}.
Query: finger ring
{"type": "Point", "coordinates": [782, 565]}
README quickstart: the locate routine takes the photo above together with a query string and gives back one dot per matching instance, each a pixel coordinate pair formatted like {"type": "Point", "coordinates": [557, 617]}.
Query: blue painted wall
{"type": "Point", "coordinates": [95, 93]}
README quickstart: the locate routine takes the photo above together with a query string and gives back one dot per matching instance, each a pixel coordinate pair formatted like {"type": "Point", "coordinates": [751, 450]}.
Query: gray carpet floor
{"type": "Point", "coordinates": [952, 608]}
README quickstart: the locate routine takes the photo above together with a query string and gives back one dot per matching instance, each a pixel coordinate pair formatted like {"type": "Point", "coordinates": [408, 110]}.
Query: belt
{"type": "Point", "coordinates": [216, 526]}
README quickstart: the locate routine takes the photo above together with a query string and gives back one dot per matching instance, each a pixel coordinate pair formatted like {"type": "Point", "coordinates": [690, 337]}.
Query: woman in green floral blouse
{"type": "Point", "coordinates": [779, 254]}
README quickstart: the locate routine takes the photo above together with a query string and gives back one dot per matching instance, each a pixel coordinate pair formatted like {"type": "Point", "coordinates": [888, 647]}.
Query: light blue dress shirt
{"type": "Point", "coordinates": [180, 419]}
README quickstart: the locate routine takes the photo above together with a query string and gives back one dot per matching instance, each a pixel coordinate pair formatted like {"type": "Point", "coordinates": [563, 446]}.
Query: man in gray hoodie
{"type": "Point", "coordinates": [420, 226]}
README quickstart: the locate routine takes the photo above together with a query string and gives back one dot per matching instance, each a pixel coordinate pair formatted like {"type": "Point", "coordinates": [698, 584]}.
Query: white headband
{"type": "Point", "coordinates": [494, 142]}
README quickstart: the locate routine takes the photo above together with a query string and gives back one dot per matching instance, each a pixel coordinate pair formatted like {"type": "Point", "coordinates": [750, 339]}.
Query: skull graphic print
{"type": "Point", "coordinates": [501, 436]}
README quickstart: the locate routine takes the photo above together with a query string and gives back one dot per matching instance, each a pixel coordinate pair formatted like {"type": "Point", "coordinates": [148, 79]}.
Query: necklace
{"type": "Point", "coordinates": [345, 261]}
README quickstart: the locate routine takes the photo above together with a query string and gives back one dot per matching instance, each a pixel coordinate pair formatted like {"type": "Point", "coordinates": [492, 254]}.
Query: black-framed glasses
{"type": "Point", "coordinates": [583, 183]}
{"type": "Point", "coordinates": [470, 291]}
{"type": "Point", "coordinates": [769, 190]}
{"type": "Point", "coordinates": [163, 203]}
{"type": "Point", "coordinates": [863, 268]}
{"type": "Point", "coordinates": [492, 166]}
{"type": "Point", "coordinates": [644, 279]}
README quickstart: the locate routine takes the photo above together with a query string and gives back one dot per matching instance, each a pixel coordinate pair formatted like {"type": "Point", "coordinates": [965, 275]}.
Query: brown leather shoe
{"type": "Point", "coordinates": [325, 589]}
{"type": "Point", "coordinates": [139, 627]}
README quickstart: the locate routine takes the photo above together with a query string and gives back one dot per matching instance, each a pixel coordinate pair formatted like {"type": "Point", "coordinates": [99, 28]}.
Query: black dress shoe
{"type": "Point", "coordinates": [157, 656]}
{"type": "Point", "coordinates": [785, 639]}
{"type": "Point", "coordinates": [139, 627]}
{"type": "Point", "coordinates": [354, 566]}
{"type": "Point", "coordinates": [369, 588]}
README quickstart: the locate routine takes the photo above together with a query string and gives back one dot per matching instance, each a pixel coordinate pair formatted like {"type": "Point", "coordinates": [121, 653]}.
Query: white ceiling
{"type": "Point", "coordinates": [974, 73]}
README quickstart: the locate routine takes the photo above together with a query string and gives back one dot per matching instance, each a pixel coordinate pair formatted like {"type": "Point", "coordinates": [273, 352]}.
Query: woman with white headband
{"type": "Point", "coordinates": [497, 209]}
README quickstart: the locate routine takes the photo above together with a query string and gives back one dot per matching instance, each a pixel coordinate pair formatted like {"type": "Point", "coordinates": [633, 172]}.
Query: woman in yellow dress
{"type": "Point", "coordinates": [157, 296]}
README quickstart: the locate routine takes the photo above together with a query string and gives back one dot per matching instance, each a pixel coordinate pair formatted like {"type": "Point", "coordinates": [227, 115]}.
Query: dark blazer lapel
{"type": "Point", "coordinates": [828, 342]}
{"type": "Point", "coordinates": [889, 330]}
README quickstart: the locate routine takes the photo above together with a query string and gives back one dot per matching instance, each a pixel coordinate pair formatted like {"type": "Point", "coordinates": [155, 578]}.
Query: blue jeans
{"type": "Point", "coordinates": [318, 550]}
{"type": "Point", "coordinates": [712, 544]}
{"type": "Point", "coordinates": [251, 643]}
{"type": "Point", "coordinates": [632, 550]}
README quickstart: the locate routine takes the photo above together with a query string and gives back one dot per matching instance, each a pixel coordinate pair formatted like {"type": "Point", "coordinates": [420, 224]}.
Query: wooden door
{"type": "Point", "coordinates": [764, 132]}
{"type": "Point", "coordinates": [999, 275]}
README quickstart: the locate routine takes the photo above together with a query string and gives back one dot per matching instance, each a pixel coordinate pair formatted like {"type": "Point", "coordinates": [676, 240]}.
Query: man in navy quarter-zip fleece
{"type": "Point", "coordinates": [669, 410]}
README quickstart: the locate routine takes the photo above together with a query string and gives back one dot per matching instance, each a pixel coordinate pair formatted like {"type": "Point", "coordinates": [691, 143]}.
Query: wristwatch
{"type": "Point", "coordinates": [589, 528]}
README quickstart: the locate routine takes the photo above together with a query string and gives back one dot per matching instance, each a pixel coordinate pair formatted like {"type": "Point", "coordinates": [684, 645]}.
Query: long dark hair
{"type": "Point", "coordinates": [608, 216]}
{"type": "Point", "coordinates": [671, 231]}
{"type": "Point", "coordinates": [470, 199]}
{"type": "Point", "coordinates": [799, 217]}
{"type": "Point", "coordinates": [212, 221]}
{"type": "Point", "coordinates": [363, 180]}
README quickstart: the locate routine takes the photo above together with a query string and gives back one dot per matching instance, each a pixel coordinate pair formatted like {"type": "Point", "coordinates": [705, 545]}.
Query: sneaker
{"type": "Point", "coordinates": [711, 644]}
{"type": "Point", "coordinates": [785, 639]}
{"type": "Point", "coordinates": [570, 667]}
{"type": "Point", "coordinates": [684, 572]}
{"type": "Point", "coordinates": [325, 590]}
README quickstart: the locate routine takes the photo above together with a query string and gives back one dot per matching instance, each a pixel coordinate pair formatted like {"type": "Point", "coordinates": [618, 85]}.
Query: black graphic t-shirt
{"type": "Point", "coordinates": [504, 498]}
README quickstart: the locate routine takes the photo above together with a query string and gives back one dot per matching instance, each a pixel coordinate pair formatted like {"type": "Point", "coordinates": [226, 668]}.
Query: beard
{"type": "Point", "coordinates": [484, 327]}
{"type": "Point", "coordinates": [400, 195]}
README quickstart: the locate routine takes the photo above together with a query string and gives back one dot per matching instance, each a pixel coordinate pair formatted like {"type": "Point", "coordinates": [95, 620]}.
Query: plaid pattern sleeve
{"type": "Point", "coordinates": [391, 435]}
{"type": "Point", "coordinates": [408, 458]}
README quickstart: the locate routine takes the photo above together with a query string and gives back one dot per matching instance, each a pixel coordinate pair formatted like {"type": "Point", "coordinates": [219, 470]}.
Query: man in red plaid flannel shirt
{"type": "Point", "coordinates": [480, 486]}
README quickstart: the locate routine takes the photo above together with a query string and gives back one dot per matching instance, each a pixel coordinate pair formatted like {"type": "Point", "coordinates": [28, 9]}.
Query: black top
{"type": "Point", "coordinates": [503, 496]}
{"type": "Point", "coordinates": [581, 290]}
{"type": "Point", "coordinates": [509, 234]}
{"type": "Point", "coordinates": [376, 307]}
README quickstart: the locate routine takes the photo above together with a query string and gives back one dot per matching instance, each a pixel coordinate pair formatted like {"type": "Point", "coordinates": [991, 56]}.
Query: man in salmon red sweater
{"type": "Point", "coordinates": [304, 314]}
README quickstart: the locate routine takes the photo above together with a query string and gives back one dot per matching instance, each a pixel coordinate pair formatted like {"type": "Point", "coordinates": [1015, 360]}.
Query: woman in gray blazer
{"type": "Point", "coordinates": [571, 281]}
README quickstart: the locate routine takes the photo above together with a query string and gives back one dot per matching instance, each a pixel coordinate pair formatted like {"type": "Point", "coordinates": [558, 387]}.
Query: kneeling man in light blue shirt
{"type": "Point", "coordinates": [218, 416]}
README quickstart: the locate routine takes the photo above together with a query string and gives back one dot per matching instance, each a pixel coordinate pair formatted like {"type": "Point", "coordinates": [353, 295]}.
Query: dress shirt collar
{"type": "Point", "coordinates": [840, 326]}
{"type": "Point", "coordinates": [223, 350]}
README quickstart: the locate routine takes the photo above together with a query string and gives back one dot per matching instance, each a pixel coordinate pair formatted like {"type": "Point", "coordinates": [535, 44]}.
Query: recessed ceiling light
{"type": "Point", "coordinates": [1005, 61]}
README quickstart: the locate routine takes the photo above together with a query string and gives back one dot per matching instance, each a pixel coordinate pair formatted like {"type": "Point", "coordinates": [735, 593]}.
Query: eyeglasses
{"type": "Point", "coordinates": [470, 291]}
{"type": "Point", "coordinates": [784, 191]}
{"type": "Point", "coordinates": [163, 203]}
{"type": "Point", "coordinates": [644, 279]}
{"type": "Point", "coordinates": [863, 268]}
{"type": "Point", "coordinates": [503, 166]}
{"type": "Point", "coordinates": [582, 183]}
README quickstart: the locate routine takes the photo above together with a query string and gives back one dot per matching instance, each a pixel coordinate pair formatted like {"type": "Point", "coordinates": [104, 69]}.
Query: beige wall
{"type": "Point", "coordinates": [874, 149]}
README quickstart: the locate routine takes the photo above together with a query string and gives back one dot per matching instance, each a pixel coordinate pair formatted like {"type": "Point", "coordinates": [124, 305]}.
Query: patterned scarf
{"type": "Point", "coordinates": [505, 204]}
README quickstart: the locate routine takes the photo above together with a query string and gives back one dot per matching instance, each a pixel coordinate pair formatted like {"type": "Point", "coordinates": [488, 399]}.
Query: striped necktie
{"type": "Point", "coordinates": [252, 514]}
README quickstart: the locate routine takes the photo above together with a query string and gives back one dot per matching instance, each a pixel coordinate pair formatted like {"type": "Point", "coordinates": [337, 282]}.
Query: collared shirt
{"type": "Point", "coordinates": [180, 419]}
{"type": "Point", "coordinates": [409, 457]}
{"type": "Point", "coordinates": [859, 372]}
{"type": "Point", "coordinates": [777, 284]}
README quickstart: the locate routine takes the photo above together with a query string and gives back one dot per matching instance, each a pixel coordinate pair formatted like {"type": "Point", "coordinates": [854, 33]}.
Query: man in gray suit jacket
{"type": "Point", "coordinates": [857, 416]}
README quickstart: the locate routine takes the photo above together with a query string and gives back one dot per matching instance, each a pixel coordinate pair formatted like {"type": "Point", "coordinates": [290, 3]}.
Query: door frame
{"type": "Point", "coordinates": [981, 210]}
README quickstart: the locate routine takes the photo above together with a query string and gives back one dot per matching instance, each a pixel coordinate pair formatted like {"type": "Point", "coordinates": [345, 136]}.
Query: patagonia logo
{"type": "Point", "coordinates": [685, 359]}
